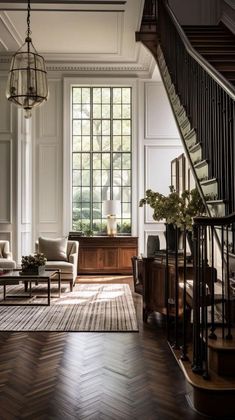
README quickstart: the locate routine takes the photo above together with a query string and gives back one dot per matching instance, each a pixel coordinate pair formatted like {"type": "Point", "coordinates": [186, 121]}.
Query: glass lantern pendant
{"type": "Point", "coordinates": [27, 79]}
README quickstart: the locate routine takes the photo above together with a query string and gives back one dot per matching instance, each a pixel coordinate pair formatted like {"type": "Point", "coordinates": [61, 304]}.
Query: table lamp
{"type": "Point", "coordinates": [111, 209]}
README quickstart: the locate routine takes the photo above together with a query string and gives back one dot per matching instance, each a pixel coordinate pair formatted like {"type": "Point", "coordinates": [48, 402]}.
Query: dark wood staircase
{"type": "Point", "coordinates": [197, 65]}
{"type": "Point", "coordinates": [217, 45]}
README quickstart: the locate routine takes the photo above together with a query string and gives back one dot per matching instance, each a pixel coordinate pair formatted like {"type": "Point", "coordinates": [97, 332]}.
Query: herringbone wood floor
{"type": "Point", "coordinates": [95, 376]}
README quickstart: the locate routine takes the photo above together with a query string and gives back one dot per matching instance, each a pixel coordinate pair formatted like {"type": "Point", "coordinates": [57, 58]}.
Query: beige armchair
{"type": "Point", "coordinates": [6, 260]}
{"type": "Point", "coordinates": [66, 261]}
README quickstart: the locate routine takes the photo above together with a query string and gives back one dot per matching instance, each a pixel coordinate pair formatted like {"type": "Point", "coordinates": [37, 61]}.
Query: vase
{"type": "Point", "coordinates": [190, 244]}
{"type": "Point", "coordinates": [172, 235]}
{"type": "Point", "coordinates": [34, 271]}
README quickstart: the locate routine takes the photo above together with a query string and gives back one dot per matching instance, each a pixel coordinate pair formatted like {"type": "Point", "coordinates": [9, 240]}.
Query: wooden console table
{"type": "Point", "coordinates": [156, 291]}
{"type": "Point", "coordinates": [104, 254]}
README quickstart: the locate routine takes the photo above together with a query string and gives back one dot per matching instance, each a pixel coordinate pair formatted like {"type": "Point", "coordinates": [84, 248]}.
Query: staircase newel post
{"type": "Point", "coordinates": [212, 334]}
{"type": "Point", "coordinates": [229, 335]}
{"type": "Point", "coordinates": [167, 285]}
{"type": "Point", "coordinates": [196, 363]}
{"type": "Point", "coordinates": [184, 346]}
{"type": "Point", "coordinates": [176, 343]}
{"type": "Point", "coordinates": [205, 303]}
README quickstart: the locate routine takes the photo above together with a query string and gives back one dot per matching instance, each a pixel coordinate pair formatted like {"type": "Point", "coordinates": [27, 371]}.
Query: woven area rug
{"type": "Point", "coordinates": [90, 307]}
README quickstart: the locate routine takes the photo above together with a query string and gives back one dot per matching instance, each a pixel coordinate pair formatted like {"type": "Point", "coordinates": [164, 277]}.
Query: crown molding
{"type": "Point", "coordinates": [142, 66]}
{"type": "Point", "coordinates": [123, 69]}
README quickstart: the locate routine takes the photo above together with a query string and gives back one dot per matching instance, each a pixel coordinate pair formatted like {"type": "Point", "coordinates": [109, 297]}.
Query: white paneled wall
{"type": "Point", "coordinates": [24, 186]}
{"type": "Point", "coordinates": [158, 121]}
{"type": "Point", "coordinates": [33, 185]}
{"type": "Point", "coordinates": [8, 148]}
{"type": "Point", "coordinates": [48, 194]}
{"type": "Point", "coordinates": [6, 180]}
{"type": "Point", "coordinates": [159, 143]}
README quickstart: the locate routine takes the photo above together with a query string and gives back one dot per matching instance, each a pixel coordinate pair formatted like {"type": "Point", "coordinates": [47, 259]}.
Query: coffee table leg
{"type": "Point", "coordinates": [59, 274]}
{"type": "Point", "coordinates": [4, 292]}
{"type": "Point", "coordinates": [49, 290]}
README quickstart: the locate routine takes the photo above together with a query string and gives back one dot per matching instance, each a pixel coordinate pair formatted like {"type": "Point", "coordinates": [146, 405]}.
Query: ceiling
{"type": "Point", "coordinates": [84, 32]}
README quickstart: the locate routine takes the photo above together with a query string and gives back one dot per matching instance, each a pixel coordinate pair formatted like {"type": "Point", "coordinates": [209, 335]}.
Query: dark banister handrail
{"type": "Point", "coordinates": [215, 221]}
{"type": "Point", "coordinates": [218, 77]}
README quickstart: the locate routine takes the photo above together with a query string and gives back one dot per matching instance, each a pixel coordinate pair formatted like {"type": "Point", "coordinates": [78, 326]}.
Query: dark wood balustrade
{"type": "Point", "coordinates": [208, 98]}
{"type": "Point", "coordinates": [200, 314]}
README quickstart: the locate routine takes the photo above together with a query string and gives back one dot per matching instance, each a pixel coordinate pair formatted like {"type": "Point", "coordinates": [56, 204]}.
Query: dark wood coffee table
{"type": "Point", "coordinates": [14, 277]}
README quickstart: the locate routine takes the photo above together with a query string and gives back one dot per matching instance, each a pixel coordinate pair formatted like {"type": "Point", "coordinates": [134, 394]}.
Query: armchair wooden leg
{"type": "Point", "coordinates": [71, 286]}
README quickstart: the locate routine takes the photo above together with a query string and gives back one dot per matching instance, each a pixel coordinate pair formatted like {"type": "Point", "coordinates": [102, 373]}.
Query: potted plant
{"type": "Point", "coordinates": [177, 210]}
{"type": "Point", "coordinates": [33, 264]}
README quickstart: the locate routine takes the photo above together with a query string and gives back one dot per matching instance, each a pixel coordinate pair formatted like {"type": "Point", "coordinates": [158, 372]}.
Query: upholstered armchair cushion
{"type": "Point", "coordinates": [6, 260]}
{"type": "Point", "coordinates": [68, 267]}
{"type": "Point", "coordinates": [53, 249]}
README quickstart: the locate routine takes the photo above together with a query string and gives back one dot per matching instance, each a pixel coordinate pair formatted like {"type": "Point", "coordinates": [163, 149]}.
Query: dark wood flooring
{"type": "Point", "coordinates": [98, 376]}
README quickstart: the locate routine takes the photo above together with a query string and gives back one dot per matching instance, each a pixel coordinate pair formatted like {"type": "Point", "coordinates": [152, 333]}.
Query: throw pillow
{"type": "Point", "coordinates": [53, 249]}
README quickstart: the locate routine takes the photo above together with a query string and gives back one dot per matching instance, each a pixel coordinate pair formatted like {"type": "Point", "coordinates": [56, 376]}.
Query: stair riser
{"type": "Point", "coordinates": [217, 210]}
{"type": "Point", "coordinates": [210, 189]}
{"type": "Point", "coordinates": [222, 362]}
{"type": "Point", "coordinates": [212, 403]}
{"type": "Point", "coordinates": [202, 172]}
{"type": "Point", "coordinates": [196, 156]}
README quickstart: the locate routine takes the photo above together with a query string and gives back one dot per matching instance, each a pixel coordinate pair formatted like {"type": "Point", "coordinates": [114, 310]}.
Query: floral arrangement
{"type": "Point", "coordinates": [30, 262]}
{"type": "Point", "coordinates": [175, 208]}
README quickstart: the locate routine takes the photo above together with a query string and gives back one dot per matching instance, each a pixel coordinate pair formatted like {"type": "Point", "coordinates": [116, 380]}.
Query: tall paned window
{"type": "Point", "coordinates": [101, 145]}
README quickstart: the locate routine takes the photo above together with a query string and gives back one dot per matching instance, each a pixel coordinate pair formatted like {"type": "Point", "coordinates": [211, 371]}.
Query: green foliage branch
{"type": "Point", "coordinates": [175, 208]}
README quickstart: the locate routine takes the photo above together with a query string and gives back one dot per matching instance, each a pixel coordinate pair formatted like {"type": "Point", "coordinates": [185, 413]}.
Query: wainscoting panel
{"type": "Point", "coordinates": [5, 181]}
{"type": "Point", "coordinates": [159, 121]}
{"type": "Point", "coordinates": [158, 171]}
{"type": "Point", "coordinates": [26, 244]}
{"type": "Point", "coordinates": [5, 106]}
{"type": "Point", "coordinates": [47, 124]}
{"type": "Point", "coordinates": [48, 168]}
{"type": "Point", "coordinates": [26, 179]}
{"type": "Point", "coordinates": [6, 236]}
{"type": "Point", "coordinates": [49, 234]}
{"type": "Point", "coordinates": [48, 186]}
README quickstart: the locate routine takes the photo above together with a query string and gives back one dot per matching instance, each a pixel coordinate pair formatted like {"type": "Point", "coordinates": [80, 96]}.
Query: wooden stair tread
{"type": "Point", "coordinates": [221, 343]}
{"type": "Point", "coordinates": [225, 67]}
{"type": "Point", "coordinates": [216, 383]}
{"type": "Point", "coordinates": [211, 41]}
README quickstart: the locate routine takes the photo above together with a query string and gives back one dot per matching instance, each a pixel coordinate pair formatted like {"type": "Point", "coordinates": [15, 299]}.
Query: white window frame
{"type": "Point", "coordinates": [68, 83]}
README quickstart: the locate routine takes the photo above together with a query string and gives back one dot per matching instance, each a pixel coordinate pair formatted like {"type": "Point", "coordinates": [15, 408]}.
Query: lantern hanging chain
{"type": "Point", "coordinates": [28, 21]}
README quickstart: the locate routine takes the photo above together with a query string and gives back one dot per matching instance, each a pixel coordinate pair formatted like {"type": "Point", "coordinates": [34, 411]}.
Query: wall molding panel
{"type": "Point", "coordinates": [6, 109]}
{"type": "Point", "coordinates": [157, 109]}
{"type": "Point", "coordinates": [26, 245]}
{"type": "Point", "coordinates": [48, 185]}
{"type": "Point", "coordinates": [6, 181]}
{"type": "Point", "coordinates": [26, 176]}
{"type": "Point", "coordinates": [157, 171]}
{"type": "Point", "coordinates": [48, 114]}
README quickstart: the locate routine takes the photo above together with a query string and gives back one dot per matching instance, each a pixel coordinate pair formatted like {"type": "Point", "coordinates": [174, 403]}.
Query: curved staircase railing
{"type": "Point", "coordinates": [207, 99]}
{"type": "Point", "coordinates": [203, 104]}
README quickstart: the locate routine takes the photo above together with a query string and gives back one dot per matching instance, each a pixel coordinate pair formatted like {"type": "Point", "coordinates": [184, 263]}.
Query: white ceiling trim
{"type": "Point", "coordinates": [59, 7]}
{"type": "Point", "coordinates": [9, 34]}
{"type": "Point", "coordinates": [142, 66]}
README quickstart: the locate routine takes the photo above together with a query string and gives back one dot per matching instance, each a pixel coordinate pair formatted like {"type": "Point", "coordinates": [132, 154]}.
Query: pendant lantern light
{"type": "Point", "coordinates": [27, 79]}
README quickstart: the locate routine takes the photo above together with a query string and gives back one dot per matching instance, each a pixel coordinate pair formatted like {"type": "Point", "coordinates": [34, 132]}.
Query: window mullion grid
{"type": "Point", "coordinates": [131, 181]}
{"type": "Point", "coordinates": [111, 144]}
{"type": "Point", "coordinates": [91, 158]}
{"type": "Point", "coordinates": [121, 162]}
{"type": "Point", "coordinates": [101, 139]}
